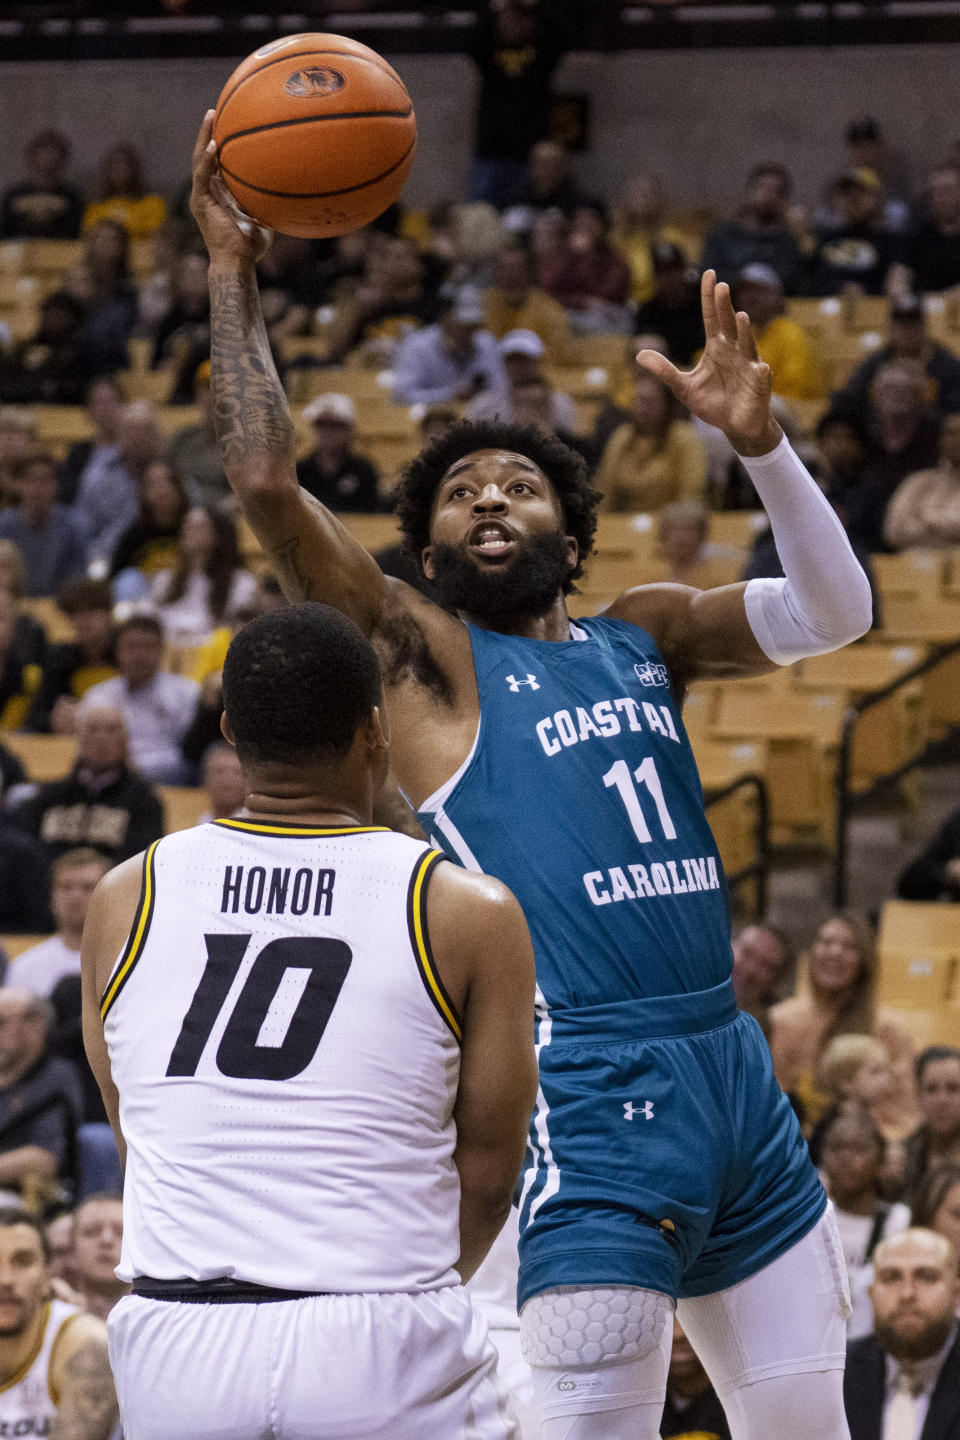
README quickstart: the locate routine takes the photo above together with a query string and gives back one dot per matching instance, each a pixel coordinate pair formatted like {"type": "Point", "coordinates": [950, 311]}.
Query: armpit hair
{"type": "Point", "coordinates": [404, 654]}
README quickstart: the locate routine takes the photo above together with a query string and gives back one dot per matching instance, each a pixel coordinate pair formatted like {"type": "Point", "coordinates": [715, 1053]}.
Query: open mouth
{"type": "Point", "coordinates": [491, 540]}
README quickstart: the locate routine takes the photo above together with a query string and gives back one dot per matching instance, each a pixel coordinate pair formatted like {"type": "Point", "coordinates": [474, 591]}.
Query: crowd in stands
{"type": "Point", "coordinates": [476, 308]}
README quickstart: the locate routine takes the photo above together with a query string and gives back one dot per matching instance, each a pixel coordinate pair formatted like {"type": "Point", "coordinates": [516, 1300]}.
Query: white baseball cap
{"type": "Point", "coordinates": [331, 407]}
{"type": "Point", "coordinates": [522, 342]}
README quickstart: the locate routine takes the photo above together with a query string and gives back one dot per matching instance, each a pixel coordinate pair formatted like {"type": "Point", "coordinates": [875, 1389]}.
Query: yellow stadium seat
{"type": "Point", "coordinates": [172, 418]}
{"type": "Point", "coordinates": [153, 385]}
{"type": "Point", "coordinates": [738, 528]}
{"type": "Point", "coordinates": [62, 424]}
{"type": "Point", "coordinates": [182, 806]}
{"type": "Point", "coordinates": [374, 532]}
{"type": "Point", "coordinates": [807, 413]}
{"type": "Point", "coordinates": [859, 668]}
{"type": "Point", "coordinates": [58, 626]}
{"type": "Point", "coordinates": [13, 945]}
{"type": "Point", "coordinates": [913, 574]}
{"type": "Point", "coordinates": [50, 256]}
{"type": "Point", "coordinates": [927, 1027]}
{"type": "Point", "coordinates": [44, 757]}
{"type": "Point", "coordinates": [720, 762]}
{"type": "Point", "coordinates": [139, 354]}
{"type": "Point", "coordinates": [908, 924]}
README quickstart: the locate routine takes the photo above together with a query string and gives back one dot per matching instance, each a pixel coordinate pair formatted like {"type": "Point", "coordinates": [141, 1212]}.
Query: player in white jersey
{"type": "Point", "coordinates": [54, 1371]}
{"type": "Point", "coordinates": [314, 1042]}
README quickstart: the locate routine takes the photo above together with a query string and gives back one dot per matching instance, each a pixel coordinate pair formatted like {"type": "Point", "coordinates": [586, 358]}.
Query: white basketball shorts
{"type": "Point", "coordinates": [327, 1367]}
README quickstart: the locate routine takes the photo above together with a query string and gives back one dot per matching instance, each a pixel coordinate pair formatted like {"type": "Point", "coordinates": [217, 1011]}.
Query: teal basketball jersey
{"type": "Point", "coordinates": [582, 795]}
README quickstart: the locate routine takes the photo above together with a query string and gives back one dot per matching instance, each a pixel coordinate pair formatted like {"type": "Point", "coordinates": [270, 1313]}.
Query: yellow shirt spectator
{"type": "Point", "coordinates": [125, 200]}
{"type": "Point", "coordinates": [513, 302]}
{"type": "Point", "coordinates": [654, 459]}
{"type": "Point", "coordinates": [782, 343]}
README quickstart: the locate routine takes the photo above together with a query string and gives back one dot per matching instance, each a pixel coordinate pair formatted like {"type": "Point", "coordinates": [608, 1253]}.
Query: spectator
{"type": "Point", "coordinates": [654, 458]}
{"type": "Point", "coordinates": [193, 451]}
{"type": "Point", "coordinates": [157, 706]}
{"type": "Point", "coordinates": [673, 309]}
{"type": "Point", "coordinates": [683, 555]}
{"type": "Point", "coordinates": [181, 339]}
{"type": "Point", "coordinates": [50, 539]}
{"type": "Point", "coordinates": [19, 674]}
{"type": "Point", "coordinates": [640, 231]}
{"type": "Point", "coordinates": [858, 251]}
{"type": "Point", "coordinates": [692, 1408]}
{"type": "Point", "coordinates": [100, 804]}
{"type": "Point", "coordinates": [18, 438]}
{"type": "Point", "coordinates": [97, 1239]}
{"type": "Point", "coordinates": [587, 276]}
{"type": "Point", "coordinates": [903, 435]}
{"type": "Point", "coordinates": [223, 781]}
{"type": "Point", "coordinates": [49, 368]}
{"type": "Point", "coordinates": [332, 472]}
{"type": "Point", "coordinates": [123, 195]}
{"type": "Point", "coordinates": [763, 958]}
{"type": "Point", "coordinates": [523, 353]}
{"type": "Point", "coordinates": [393, 299]}
{"type": "Point", "coordinates": [547, 186]}
{"type": "Point", "coordinates": [40, 1096]}
{"type": "Point", "coordinates": [24, 882]}
{"type": "Point", "coordinates": [760, 235]}
{"type": "Point", "coordinates": [107, 495]}
{"type": "Point", "coordinates": [907, 340]}
{"type": "Point", "coordinates": [868, 149]}
{"type": "Point", "coordinates": [924, 510]}
{"type": "Point", "coordinates": [514, 302]}
{"type": "Point", "coordinates": [75, 874]}
{"type": "Point", "coordinates": [104, 400]}
{"type": "Point", "coordinates": [11, 773]}
{"type": "Point", "coordinates": [781, 342]}
{"type": "Point", "coordinates": [59, 1234]}
{"type": "Point", "coordinates": [104, 285]}
{"type": "Point", "coordinates": [209, 585]}
{"type": "Point", "coordinates": [156, 290]}
{"type": "Point", "coordinates": [42, 206]}
{"type": "Point", "coordinates": [935, 873]}
{"type": "Point", "coordinates": [29, 636]}
{"type": "Point", "coordinates": [837, 998]}
{"type": "Point", "coordinates": [932, 248]}
{"type": "Point", "coordinates": [841, 454]}
{"type": "Point", "coordinates": [453, 359]}
{"type": "Point", "coordinates": [152, 543]}
{"type": "Point", "coordinates": [72, 667]}
{"type": "Point", "coordinates": [849, 1150]}
{"type": "Point", "coordinates": [938, 1205]}
{"type": "Point", "coordinates": [904, 1379]}
{"type": "Point", "coordinates": [516, 48]}
{"type": "Point", "coordinates": [936, 1140]}
{"type": "Point", "coordinates": [857, 1068]}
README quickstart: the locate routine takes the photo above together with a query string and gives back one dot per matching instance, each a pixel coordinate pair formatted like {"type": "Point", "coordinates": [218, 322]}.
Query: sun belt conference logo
{"type": "Point", "coordinates": [318, 80]}
{"type": "Point", "coordinates": [651, 674]}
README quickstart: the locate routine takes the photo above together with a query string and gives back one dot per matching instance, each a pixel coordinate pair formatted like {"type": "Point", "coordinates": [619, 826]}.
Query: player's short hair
{"type": "Point", "coordinates": [11, 1215]}
{"type": "Point", "coordinates": [931, 1056]}
{"type": "Point", "coordinates": [76, 858]}
{"type": "Point", "coordinates": [563, 467]}
{"type": "Point", "coordinates": [297, 684]}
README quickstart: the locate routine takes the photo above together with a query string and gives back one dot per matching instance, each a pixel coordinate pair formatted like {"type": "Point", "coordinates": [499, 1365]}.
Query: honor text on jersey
{"type": "Point", "coordinates": [281, 890]}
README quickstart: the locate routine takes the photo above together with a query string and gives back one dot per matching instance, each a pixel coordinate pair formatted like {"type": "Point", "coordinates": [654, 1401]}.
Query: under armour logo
{"type": "Point", "coordinates": [646, 1110]}
{"type": "Point", "coordinates": [515, 684]}
{"type": "Point", "coordinates": [651, 674]}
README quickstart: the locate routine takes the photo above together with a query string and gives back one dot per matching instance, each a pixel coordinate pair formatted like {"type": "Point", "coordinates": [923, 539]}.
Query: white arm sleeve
{"type": "Point", "coordinates": [824, 602]}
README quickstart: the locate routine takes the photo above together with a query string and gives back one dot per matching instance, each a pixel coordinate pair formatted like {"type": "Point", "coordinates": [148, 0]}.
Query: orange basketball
{"type": "Point", "coordinates": [316, 135]}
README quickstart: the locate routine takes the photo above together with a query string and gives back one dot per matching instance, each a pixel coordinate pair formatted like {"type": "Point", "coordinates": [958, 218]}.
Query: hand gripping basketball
{"type": "Point", "coordinates": [225, 228]}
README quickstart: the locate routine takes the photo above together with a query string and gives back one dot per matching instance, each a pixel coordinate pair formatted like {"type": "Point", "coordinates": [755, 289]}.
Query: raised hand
{"type": "Point", "coordinates": [730, 385]}
{"type": "Point", "coordinates": [229, 234]}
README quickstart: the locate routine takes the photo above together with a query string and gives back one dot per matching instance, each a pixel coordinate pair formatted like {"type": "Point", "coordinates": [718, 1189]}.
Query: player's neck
{"type": "Point", "coordinates": [16, 1349]}
{"type": "Point", "coordinates": [325, 812]}
{"type": "Point", "coordinates": [554, 625]}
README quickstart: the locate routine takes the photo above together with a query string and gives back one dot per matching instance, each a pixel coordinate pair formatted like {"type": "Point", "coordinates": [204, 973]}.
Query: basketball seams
{"type": "Point", "coordinates": [315, 119]}
{"type": "Point", "coordinates": [383, 68]}
{"type": "Point", "coordinates": [322, 194]}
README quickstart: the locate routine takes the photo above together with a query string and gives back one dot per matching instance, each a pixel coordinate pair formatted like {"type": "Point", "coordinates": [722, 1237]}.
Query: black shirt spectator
{"type": "Point", "coordinates": [42, 206]}
{"type": "Point", "coordinates": [11, 770]}
{"type": "Point", "coordinates": [41, 1100]}
{"type": "Point", "coordinates": [861, 249]}
{"type": "Point", "coordinates": [49, 368]}
{"type": "Point", "coordinates": [181, 340]}
{"type": "Point", "coordinates": [932, 251]}
{"type": "Point", "coordinates": [101, 803]}
{"type": "Point", "coordinates": [24, 882]}
{"type": "Point", "coordinates": [935, 873]}
{"type": "Point", "coordinates": [691, 1406]}
{"type": "Point", "coordinates": [332, 473]}
{"type": "Point", "coordinates": [760, 234]}
{"type": "Point", "coordinates": [71, 668]}
{"type": "Point", "coordinates": [908, 340]}
{"type": "Point", "coordinates": [674, 313]}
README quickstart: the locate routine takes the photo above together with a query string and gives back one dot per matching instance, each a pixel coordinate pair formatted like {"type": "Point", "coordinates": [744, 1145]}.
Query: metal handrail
{"type": "Point", "coordinates": [759, 870]}
{"type": "Point", "coordinates": [846, 801]}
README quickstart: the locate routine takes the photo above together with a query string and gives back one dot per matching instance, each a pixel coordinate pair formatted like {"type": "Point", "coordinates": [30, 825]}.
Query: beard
{"type": "Point", "coordinates": [528, 584]}
{"type": "Point", "coordinates": [920, 1344]}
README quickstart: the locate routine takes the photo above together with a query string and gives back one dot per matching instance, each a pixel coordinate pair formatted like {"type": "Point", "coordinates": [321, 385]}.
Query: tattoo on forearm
{"type": "Point", "coordinates": [295, 582]}
{"type": "Point", "coordinates": [88, 1400]}
{"type": "Point", "coordinates": [251, 416]}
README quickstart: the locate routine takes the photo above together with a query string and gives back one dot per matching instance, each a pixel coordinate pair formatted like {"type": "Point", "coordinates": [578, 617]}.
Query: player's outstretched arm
{"type": "Point", "coordinates": [824, 602]}
{"type": "Point", "coordinates": [106, 929]}
{"type": "Point", "coordinates": [483, 953]}
{"type": "Point", "coordinates": [314, 556]}
{"type": "Point", "coordinates": [81, 1377]}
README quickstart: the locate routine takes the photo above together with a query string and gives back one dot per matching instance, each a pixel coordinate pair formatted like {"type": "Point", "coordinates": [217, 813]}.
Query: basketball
{"type": "Point", "coordinates": [315, 135]}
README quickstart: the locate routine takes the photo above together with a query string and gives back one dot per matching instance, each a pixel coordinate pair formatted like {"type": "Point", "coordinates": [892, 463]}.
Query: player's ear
{"type": "Point", "coordinates": [573, 550]}
{"type": "Point", "coordinates": [426, 561]}
{"type": "Point", "coordinates": [378, 736]}
{"type": "Point", "coordinates": [226, 730]}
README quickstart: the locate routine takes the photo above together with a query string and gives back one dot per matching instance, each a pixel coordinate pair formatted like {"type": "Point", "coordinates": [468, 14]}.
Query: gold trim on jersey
{"type": "Point", "coordinates": [420, 940]}
{"type": "Point", "coordinates": [290, 827]}
{"type": "Point", "coordinates": [24, 1369]}
{"type": "Point", "coordinates": [138, 933]}
{"type": "Point", "coordinates": [65, 1324]}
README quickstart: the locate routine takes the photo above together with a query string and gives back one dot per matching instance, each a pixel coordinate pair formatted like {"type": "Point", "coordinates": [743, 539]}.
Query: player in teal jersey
{"type": "Point", "coordinates": [665, 1164]}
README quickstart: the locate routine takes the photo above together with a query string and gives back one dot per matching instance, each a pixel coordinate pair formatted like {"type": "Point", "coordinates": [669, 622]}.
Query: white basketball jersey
{"type": "Point", "coordinates": [287, 1061]}
{"type": "Point", "coordinates": [28, 1401]}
